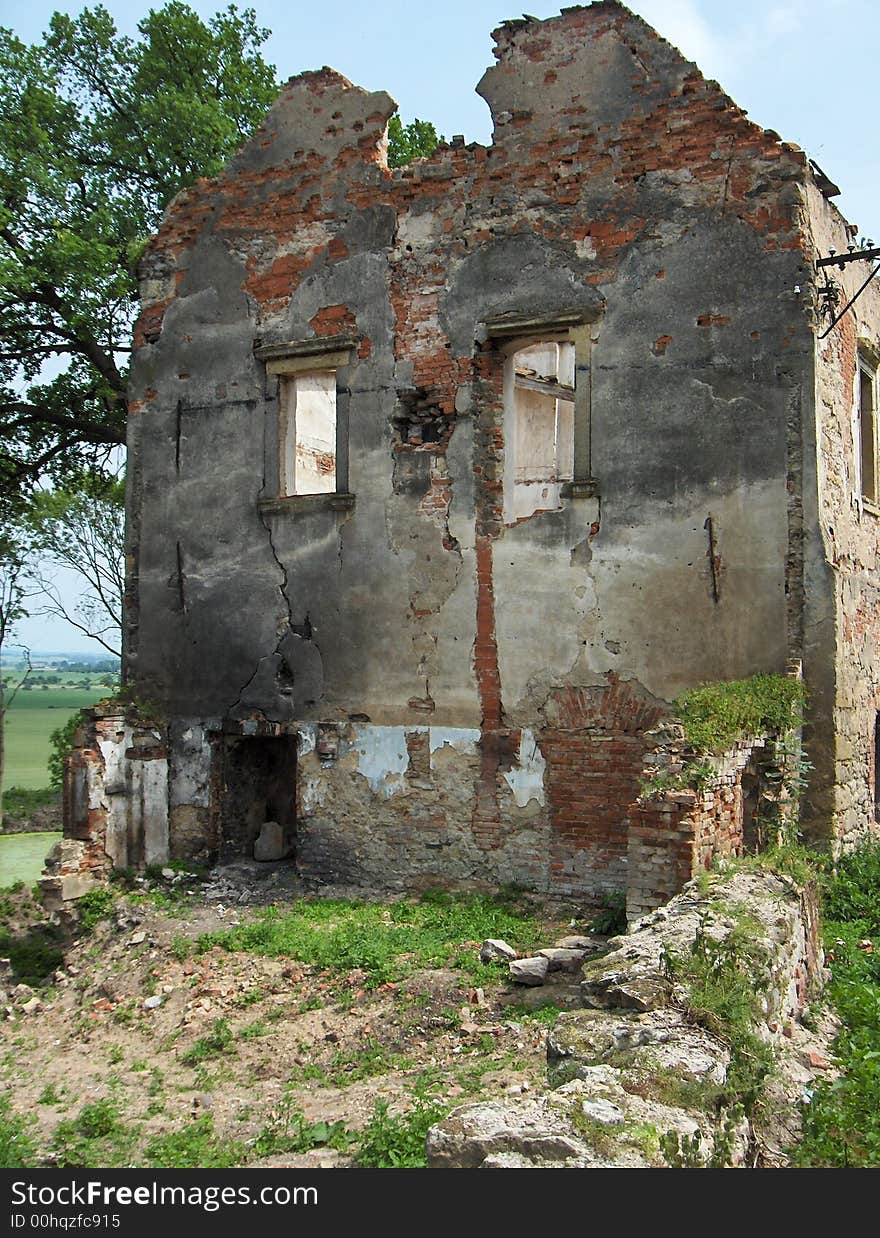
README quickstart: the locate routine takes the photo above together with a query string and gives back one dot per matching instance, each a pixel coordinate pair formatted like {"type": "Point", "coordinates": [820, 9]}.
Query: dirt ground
{"type": "Point", "coordinates": [179, 1040]}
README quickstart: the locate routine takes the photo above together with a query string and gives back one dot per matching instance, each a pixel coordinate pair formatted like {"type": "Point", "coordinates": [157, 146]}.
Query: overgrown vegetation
{"type": "Point", "coordinates": [397, 1141]}
{"type": "Point", "coordinates": [385, 940]}
{"type": "Point", "coordinates": [610, 919]}
{"type": "Point", "coordinates": [724, 980]}
{"type": "Point", "coordinates": [94, 906]}
{"type": "Point", "coordinates": [34, 953]}
{"type": "Point", "coordinates": [716, 715]}
{"type": "Point", "coordinates": [194, 1146]}
{"type": "Point", "coordinates": [96, 1138]}
{"type": "Point", "coordinates": [842, 1120]}
{"type": "Point", "coordinates": [17, 1148]}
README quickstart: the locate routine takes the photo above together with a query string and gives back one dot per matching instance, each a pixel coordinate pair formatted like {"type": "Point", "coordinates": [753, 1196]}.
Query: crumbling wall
{"type": "Point", "coordinates": [843, 621]}
{"type": "Point", "coordinates": [115, 802]}
{"type": "Point", "coordinates": [636, 1063]}
{"type": "Point", "coordinates": [625, 201]}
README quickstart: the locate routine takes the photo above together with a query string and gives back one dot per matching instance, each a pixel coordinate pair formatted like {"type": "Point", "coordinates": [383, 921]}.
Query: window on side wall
{"type": "Point", "coordinates": [539, 396]}
{"type": "Point", "coordinates": [307, 433]}
{"type": "Point", "coordinates": [867, 431]}
{"type": "Point", "coordinates": [306, 461]}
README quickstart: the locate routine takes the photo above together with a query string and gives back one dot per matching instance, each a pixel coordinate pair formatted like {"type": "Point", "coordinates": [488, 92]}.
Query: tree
{"type": "Point", "coordinates": [82, 528]}
{"type": "Point", "coordinates": [412, 141]}
{"type": "Point", "coordinates": [97, 133]}
{"type": "Point", "coordinates": [14, 593]}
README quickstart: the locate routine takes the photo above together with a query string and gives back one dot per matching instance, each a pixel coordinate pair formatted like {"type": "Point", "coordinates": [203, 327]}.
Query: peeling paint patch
{"type": "Point", "coordinates": [526, 779]}
{"type": "Point", "coordinates": [463, 739]}
{"type": "Point", "coordinates": [383, 758]}
{"type": "Point", "coordinates": [307, 737]}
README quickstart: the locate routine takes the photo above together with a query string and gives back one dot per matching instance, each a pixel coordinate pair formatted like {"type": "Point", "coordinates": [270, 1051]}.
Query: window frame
{"type": "Point", "coordinates": [867, 377]}
{"type": "Point", "coordinates": [284, 364]}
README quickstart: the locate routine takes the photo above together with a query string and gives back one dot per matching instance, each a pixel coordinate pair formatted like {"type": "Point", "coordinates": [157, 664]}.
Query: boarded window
{"type": "Point", "coordinates": [540, 427]}
{"type": "Point", "coordinates": [308, 433]}
{"type": "Point", "coordinates": [867, 430]}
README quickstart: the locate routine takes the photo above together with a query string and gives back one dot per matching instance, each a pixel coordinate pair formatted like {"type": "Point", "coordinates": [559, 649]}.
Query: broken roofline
{"type": "Point", "coordinates": [518, 41]}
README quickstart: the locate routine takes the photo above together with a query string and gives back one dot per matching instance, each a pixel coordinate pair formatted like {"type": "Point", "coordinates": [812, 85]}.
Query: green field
{"type": "Point", "coordinates": [22, 857]}
{"type": "Point", "coordinates": [31, 720]}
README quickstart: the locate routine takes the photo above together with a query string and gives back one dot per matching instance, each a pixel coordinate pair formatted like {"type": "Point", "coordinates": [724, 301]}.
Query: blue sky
{"type": "Point", "coordinates": [806, 69]}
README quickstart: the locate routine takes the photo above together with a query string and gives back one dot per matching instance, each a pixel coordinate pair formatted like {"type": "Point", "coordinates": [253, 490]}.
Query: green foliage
{"type": "Point", "coordinates": [25, 801]}
{"type": "Point", "coordinates": [96, 1138]}
{"type": "Point", "coordinates": [397, 1141]}
{"type": "Point", "coordinates": [724, 980]}
{"type": "Point", "coordinates": [60, 743]}
{"type": "Point", "coordinates": [94, 906]}
{"type": "Point", "coordinates": [216, 1041]}
{"type": "Point", "coordinates": [98, 131]}
{"type": "Point", "coordinates": [716, 715]}
{"type": "Point", "coordinates": [17, 1148]}
{"type": "Point", "coordinates": [416, 140]}
{"type": "Point", "coordinates": [611, 918]}
{"type": "Point", "coordinates": [288, 1131]}
{"type": "Point", "coordinates": [195, 1146]}
{"type": "Point", "coordinates": [694, 775]}
{"type": "Point", "coordinates": [841, 1123]}
{"type": "Point", "coordinates": [35, 954]}
{"type": "Point", "coordinates": [386, 940]}
{"type": "Point", "coordinates": [852, 893]}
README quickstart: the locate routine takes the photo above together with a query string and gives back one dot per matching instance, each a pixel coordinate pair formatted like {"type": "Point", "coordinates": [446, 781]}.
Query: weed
{"type": "Point", "coordinates": [288, 1131]}
{"type": "Point", "coordinates": [34, 954]}
{"type": "Point", "coordinates": [93, 907]}
{"type": "Point", "coordinates": [195, 1146]}
{"type": "Point", "coordinates": [182, 948]}
{"type": "Point", "coordinates": [17, 1148]}
{"type": "Point", "coordinates": [49, 1095]}
{"type": "Point", "coordinates": [95, 1139]}
{"type": "Point", "coordinates": [543, 1014]}
{"type": "Point", "coordinates": [688, 1152]}
{"type": "Point", "coordinates": [611, 918]}
{"type": "Point", "coordinates": [254, 1030]}
{"type": "Point", "coordinates": [214, 1042]}
{"type": "Point", "coordinates": [722, 979]}
{"type": "Point", "coordinates": [397, 1141]}
{"type": "Point", "coordinates": [249, 997]}
{"type": "Point", "coordinates": [841, 1123]}
{"type": "Point", "coordinates": [115, 1055]}
{"type": "Point", "coordinates": [716, 715]}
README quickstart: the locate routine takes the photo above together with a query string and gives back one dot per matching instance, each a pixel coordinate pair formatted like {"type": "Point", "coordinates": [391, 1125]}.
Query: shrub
{"type": "Point", "coordinates": [716, 715]}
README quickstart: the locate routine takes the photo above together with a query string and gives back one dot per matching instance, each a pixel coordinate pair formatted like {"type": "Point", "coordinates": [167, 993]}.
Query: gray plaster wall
{"type": "Point", "coordinates": [677, 239]}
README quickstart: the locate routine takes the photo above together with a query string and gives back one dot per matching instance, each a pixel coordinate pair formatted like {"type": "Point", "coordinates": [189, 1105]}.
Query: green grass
{"type": "Point", "coordinates": [96, 1138]}
{"type": "Point", "coordinates": [842, 1120]}
{"type": "Point", "coordinates": [193, 1147]}
{"type": "Point", "coordinates": [385, 940]}
{"type": "Point", "coordinates": [31, 720]}
{"type": "Point", "coordinates": [17, 1148]}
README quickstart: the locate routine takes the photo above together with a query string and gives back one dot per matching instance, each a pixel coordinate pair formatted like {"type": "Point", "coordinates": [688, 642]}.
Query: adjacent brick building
{"type": "Point", "coordinates": [445, 480]}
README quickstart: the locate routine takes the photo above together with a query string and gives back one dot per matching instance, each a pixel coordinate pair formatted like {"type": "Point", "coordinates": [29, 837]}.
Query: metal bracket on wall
{"type": "Point", "coordinates": [840, 261]}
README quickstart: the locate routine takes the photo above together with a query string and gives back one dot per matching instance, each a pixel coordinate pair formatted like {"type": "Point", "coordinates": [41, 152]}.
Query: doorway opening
{"type": "Point", "coordinates": [256, 794]}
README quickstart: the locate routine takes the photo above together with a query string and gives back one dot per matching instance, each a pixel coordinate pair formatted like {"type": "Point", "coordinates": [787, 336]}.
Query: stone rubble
{"type": "Point", "coordinates": [633, 1064]}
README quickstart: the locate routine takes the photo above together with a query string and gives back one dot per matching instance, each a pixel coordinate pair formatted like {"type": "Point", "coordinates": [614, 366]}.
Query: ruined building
{"type": "Point", "coordinates": [445, 480]}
